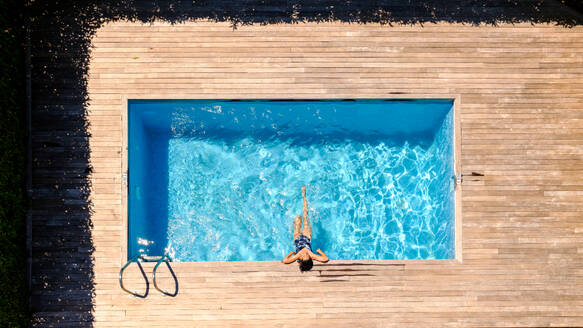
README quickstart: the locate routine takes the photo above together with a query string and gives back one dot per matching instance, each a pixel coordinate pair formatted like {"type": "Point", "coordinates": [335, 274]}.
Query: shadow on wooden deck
{"type": "Point", "coordinates": [62, 264]}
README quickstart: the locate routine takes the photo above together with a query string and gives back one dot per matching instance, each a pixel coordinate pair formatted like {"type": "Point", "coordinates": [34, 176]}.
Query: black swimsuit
{"type": "Point", "coordinates": [302, 242]}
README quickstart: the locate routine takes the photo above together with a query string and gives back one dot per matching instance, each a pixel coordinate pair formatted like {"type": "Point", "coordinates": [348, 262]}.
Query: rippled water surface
{"type": "Point", "coordinates": [220, 181]}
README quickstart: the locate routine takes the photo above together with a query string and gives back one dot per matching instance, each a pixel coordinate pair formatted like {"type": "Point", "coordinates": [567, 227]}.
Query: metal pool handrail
{"type": "Point", "coordinates": [136, 259]}
{"type": "Point", "coordinates": [166, 259]}
{"type": "Point", "coordinates": [144, 258]}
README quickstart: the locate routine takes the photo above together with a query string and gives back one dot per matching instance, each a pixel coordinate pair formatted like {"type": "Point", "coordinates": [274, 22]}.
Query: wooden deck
{"type": "Point", "coordinates": [520, 95]}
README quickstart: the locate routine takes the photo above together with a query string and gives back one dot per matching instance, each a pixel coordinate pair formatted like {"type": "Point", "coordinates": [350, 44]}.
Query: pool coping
{"type": "Point", "coordinates": [456, 98]}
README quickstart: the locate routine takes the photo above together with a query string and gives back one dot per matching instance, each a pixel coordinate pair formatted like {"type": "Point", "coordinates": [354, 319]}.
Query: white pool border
{"type": "Point", "coordinates": [457, 136]}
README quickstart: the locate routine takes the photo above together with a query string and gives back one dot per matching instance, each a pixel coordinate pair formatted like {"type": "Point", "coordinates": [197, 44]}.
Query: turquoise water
{"type": "Point", "coordinates": [220, 180]}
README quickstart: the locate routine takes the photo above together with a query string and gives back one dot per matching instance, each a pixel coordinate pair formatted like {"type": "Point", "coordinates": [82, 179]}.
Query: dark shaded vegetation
{"type": "Point", "coordinates": [576, 5]}
{"type": "Point", "coordinates": [13, 203]}
{"type": "Point", "coordinates": [62, 249]}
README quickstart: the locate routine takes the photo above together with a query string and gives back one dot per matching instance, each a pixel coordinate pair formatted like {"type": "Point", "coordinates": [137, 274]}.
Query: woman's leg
{"type": "Point", "coordinates": [297, 227]}
{"type": "Point", "coordinates": [307, 227]}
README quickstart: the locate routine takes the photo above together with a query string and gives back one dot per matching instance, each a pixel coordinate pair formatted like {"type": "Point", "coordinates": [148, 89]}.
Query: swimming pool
{"type": "Point", "coordinates": [219, 180]}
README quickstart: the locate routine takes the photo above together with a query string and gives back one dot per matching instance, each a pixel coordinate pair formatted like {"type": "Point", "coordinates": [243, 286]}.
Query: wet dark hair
{"type": "Point", "coordinates": [306, 265]}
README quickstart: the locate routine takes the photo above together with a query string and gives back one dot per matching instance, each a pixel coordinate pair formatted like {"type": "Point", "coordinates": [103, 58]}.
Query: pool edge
{"type": "Point", "coordinates": [456, 107]}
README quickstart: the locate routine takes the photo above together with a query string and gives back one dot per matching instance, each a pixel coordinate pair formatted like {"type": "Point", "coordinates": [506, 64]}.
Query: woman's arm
{"type": "Point", "coordinates": [320, 258]}
{"type": "Point", "coordinates": [287, 259]}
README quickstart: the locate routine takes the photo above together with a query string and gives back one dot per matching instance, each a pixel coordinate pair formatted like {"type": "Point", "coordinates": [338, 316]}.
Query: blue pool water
{"type": "Point", "coordinates": [213, 180]}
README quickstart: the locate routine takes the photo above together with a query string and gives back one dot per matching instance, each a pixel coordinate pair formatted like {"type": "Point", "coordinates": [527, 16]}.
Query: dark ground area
{"type": "Point", "coordinates": [62, 264]}
{"type": "Point", "coordinates": [13, 140]}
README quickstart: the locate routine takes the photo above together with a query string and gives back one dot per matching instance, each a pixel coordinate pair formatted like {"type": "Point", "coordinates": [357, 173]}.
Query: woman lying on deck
{"type": "Point", "coordinates": [303, 241]}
